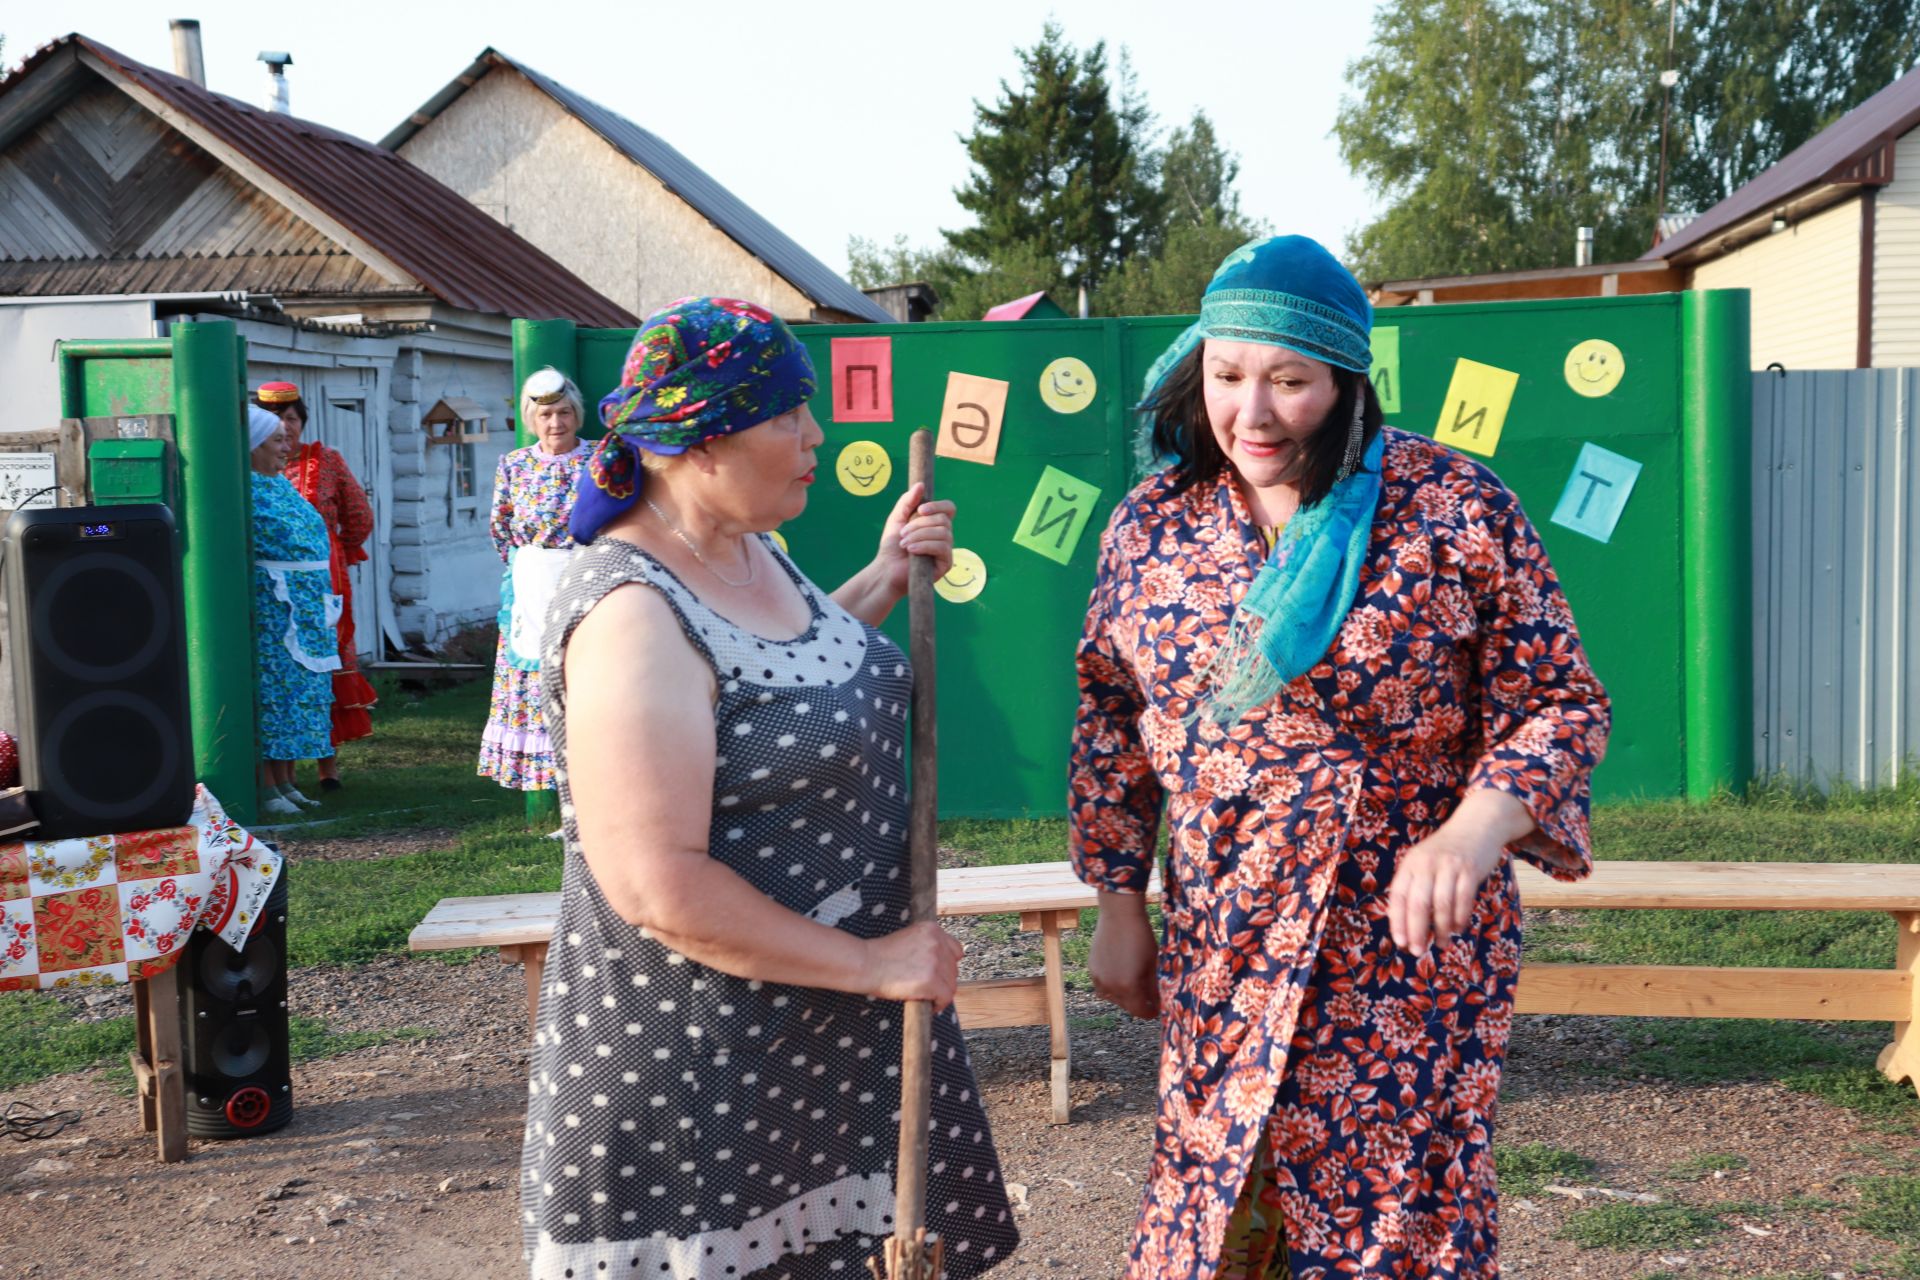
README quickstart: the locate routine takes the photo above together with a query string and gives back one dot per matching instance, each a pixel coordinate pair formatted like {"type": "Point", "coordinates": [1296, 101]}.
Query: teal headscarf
{"type": "Point", "coordinates": [1288, 291]}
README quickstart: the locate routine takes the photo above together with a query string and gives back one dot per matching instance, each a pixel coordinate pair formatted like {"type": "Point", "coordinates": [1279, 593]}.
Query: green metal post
{"type": "Point", "coordinates": [537, 344]}
{"type": "Point", "coordinates": [1717, 527]}
{"type": "Point", "coordinates": [216, 520]}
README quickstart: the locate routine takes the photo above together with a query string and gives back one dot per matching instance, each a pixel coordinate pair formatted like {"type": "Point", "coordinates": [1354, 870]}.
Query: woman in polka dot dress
{"type": "Point", "coordinates": [715, 1085]}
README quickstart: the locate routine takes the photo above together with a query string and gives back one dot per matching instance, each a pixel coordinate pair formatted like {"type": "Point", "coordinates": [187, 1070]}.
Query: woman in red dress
{"type": "Point", "coordinates": [321, 476]}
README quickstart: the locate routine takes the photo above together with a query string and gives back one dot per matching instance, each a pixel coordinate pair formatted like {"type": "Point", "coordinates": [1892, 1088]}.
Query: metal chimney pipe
{"type": "Point", "coordinates": [188, 63]}
{"type": "Point", "coordinates": [277, 64]}
{"type": "Point", "coordinates": [1583, 247]}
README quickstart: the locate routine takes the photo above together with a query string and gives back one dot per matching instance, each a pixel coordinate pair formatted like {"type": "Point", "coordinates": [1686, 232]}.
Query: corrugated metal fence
{"type": "Point", "coordinates": [1836, 596]}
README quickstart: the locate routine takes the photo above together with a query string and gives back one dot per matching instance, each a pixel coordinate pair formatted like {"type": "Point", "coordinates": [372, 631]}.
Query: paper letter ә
{"type": "Point", "coordinates": [971, 417]}
{"type": "Point", "coordinates": [1386, 368]}
{"type": "Point", "coordinates": [1056, 515]}
{"type": "Point", "coordinates": [1476, 407]}
{"type": "Point", "coordinates": [1596, 492]}
{"type": "Point", "coordinates": [863, 379]}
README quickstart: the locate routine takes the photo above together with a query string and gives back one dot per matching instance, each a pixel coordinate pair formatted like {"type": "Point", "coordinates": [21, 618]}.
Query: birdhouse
{"type": "Point", "coordinates": [456, 420]}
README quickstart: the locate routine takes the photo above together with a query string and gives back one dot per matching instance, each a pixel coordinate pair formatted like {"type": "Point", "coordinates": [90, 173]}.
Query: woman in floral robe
{"type": "Point", "coordinates": [1343, 781]}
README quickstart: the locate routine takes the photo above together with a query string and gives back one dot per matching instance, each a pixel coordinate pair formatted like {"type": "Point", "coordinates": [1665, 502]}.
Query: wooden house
{"type": "Point", "coordinates": [131, 198]}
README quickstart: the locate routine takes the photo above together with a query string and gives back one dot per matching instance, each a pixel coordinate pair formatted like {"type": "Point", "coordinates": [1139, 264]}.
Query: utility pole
{"type": "Point", "coordinates": [1669, 77]}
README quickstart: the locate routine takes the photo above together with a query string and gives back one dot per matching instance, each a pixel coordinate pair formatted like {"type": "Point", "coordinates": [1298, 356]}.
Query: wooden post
{"type": "Point", "coordinates": [1901, 1059]}
{"type": "Point", "coordinates": [907, 1254]}
{"type": "Point", "coordinates": [164, 1064]}
{"type": "Point", "coordinates": [142, 1056]}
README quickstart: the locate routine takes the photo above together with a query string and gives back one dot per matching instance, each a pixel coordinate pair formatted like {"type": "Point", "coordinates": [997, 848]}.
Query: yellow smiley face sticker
{"type": "Point", "coordinates": [1067, 385]}
{"type": "Point", "coordinates": [1595, 367]}
{"type": "Point", "coordinates": [964, 581]}
{"type": "Point", "coordinates": [863, 469]}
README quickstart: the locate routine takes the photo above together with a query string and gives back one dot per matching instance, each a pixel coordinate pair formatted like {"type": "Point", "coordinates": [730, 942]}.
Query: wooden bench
{"type": "Point", "coordinates": [1049, 900]}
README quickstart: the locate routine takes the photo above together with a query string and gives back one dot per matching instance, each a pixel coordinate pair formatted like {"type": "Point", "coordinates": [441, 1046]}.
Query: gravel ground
{"type": "Point", "coordinates": [401, 1158]}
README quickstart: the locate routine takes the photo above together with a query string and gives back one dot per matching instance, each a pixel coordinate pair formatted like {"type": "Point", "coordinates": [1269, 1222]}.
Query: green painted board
{"type": "Point", "coordinates": [1007, 687]}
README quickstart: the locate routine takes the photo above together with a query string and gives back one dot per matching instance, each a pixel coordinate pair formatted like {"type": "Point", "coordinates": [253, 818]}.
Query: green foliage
{"type": "Point", "coordinates": [1171, 282]}
{"type": "Point", "coordinates": [1061, 171]}
{"type": "Point", "coordinates": [1493, 128]}
{"type": "Point", "coordinates": [1526, 1170]}
{"type": "Point", "coordinates": [1694, 1168]}
{"type": "Point", "coordinates": [1069, 186]}
{"type": "Point", "coordinates": [1617, 1225]}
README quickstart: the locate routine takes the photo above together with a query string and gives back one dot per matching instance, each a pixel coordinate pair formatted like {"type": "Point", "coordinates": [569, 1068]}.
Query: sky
{"type": "Point", "coordinates": [832, 119]}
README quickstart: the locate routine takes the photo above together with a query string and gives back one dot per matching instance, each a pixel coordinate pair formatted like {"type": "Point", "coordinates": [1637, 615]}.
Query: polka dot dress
{"type": "Point", "coordinates": [683, 1123]}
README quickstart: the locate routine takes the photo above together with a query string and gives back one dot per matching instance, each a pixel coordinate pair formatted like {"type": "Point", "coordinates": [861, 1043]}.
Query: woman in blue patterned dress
{"type": "Point", "coordinates": [533, 492]}
{"type": "Point", "coordinates": [294, 612]}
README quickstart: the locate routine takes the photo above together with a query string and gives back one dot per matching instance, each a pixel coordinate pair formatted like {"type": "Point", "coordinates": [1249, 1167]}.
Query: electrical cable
{"type": "Point", "coordinates": [23, 1122]}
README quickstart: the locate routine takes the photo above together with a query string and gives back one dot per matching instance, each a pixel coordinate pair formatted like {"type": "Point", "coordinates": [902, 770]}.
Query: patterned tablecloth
{"type": "Point", "coordinates": [97, 910]}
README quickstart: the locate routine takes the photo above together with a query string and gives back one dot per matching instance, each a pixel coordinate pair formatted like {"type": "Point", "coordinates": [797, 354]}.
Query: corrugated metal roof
{"type": "Point", "coordinates": [1848, 150]}
{"type": "Point", "coordinates": [680, 175]}
{"type": "Point", "coordinates": [453, 250]}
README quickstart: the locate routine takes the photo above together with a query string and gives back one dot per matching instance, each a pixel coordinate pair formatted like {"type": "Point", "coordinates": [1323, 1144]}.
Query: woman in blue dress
{"type": "Point", "coordinates": [294, 611]}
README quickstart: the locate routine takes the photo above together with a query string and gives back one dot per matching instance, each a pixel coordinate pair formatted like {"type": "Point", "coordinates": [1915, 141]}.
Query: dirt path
{"type": "Point", "coordinates": [402, 1157]}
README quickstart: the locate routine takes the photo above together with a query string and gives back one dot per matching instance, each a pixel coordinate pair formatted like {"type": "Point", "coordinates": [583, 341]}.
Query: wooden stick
{"type": "Point", "coordinates": [906, 1255]}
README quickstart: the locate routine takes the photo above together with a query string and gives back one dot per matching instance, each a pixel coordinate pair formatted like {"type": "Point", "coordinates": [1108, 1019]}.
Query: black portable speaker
{"type": "Point", "coordinates": [99, 668]}
{"type": "Point", "coordinates": [234, 1044]}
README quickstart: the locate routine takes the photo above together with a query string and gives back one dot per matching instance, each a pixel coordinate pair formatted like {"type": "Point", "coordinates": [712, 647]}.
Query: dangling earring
{"type": "Point", "coordinates": [1356, 432]}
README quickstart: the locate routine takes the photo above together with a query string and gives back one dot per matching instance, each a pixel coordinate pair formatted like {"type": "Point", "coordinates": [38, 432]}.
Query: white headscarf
{"type": "Point", "coordinates": [260, 425]}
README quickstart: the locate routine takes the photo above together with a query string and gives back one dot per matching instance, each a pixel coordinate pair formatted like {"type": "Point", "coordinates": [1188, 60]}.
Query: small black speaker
{"type": "Point", "coordinates": [97, 642]}
{"type": "Point", "coordinates": [234, 1044]}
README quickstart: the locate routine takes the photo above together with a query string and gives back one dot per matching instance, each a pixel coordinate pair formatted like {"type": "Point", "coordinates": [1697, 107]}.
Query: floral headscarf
{"type": "Point", "coordinates": [699, 368]}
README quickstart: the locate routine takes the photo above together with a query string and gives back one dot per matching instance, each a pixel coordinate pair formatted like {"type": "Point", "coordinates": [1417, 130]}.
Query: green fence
{"type": "Point", "coordinates": [196, 377]}
{"type": "Point", "coordinates": [1660, 595]}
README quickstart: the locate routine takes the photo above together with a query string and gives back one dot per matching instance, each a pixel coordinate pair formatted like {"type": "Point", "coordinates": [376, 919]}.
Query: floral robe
{"type": "Point", "coordinates": [1285, 1003]}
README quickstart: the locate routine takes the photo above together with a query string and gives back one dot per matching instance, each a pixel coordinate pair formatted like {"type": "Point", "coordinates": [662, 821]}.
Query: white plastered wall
{"type": "Point", "coordinates": [511, 150]}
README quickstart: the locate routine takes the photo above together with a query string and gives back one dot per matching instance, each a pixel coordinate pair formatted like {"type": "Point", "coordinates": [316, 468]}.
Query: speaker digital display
{"type": "Point", "coordinates": [96, 640]}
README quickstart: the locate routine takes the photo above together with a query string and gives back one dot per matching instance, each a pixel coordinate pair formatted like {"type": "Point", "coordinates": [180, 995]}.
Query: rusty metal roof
{"type": "Point", "coordinates": [1855, 150]}
{"type": "Point", "coordinates": [409, 228]}
{"type": "Point", "coordinates": [740, 222]}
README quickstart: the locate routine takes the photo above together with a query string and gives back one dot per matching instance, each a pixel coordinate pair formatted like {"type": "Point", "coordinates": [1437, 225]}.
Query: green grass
{"type": "Point", "coordinates": [1526, 1171]}
{"type": "Point", "coordinates": [43, 1038]}
{"type": "Point", "coordinates": [310, 1039]}
{"type": "Point", "coordinates": [1832, 1061]}
{"type": "Point", "coordinates": [1696, 1167]}
{"type": "Point", "coordinates": [415, 772]}
{"type": "Point", "coordinates": [1890, 1209]}
{"type": "Point", "coordinates": [1618, 1225]}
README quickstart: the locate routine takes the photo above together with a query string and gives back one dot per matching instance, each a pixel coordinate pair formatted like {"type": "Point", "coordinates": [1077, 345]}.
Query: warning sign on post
{"type": "Point", "coordinates": [27, 481]}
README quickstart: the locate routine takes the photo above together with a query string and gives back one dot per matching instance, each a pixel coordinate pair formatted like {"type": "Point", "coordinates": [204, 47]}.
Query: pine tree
{"type": "Point", "coordinates": [1059, 172]}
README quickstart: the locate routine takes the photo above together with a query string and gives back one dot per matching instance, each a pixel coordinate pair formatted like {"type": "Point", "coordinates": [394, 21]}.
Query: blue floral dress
{"type": "Point", "coordinates": [294, 611]}
{"type": "Point", "coordinates": [1294, 1033]}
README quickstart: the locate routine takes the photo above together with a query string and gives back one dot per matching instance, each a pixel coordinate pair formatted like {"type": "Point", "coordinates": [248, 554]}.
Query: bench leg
{"type": "Point", "coordinates": [156, 1063]}
{"type": "Point", "coordinates": [1057, 1012]}
{"type": "Point", "coordinates": [1901, 1059]}
{"type": "Point", "coordinates": [534, 956]}
{"type": "Point", "coordinates": [143, 1056]}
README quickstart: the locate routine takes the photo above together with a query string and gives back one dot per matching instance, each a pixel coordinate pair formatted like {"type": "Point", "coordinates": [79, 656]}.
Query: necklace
{"type": "Point", "coordinates": [675, 530]}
